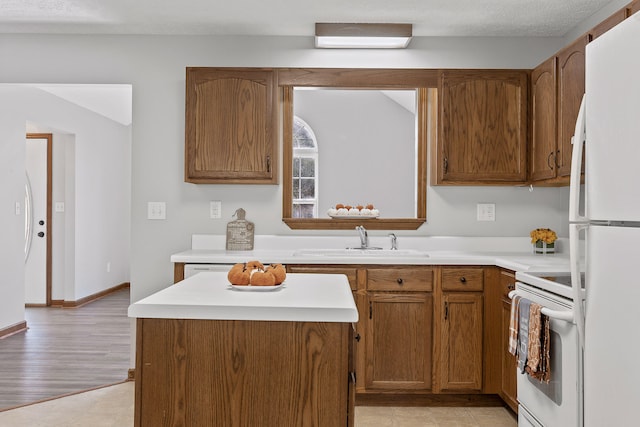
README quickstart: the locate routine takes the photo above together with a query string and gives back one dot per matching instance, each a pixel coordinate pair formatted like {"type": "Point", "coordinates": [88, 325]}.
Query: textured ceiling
{"type": "Point", "coordinates": [294, 17]}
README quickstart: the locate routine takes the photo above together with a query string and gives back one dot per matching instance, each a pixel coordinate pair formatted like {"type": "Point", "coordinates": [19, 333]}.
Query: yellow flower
{"type": "Point", "coordinates": [544, 234]}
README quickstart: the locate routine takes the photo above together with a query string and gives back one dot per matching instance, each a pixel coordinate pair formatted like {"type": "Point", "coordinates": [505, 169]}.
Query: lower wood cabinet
{"type": "Point", "coordinates": [461, 328]}
{"type": "Point", "coordinates": [508, 391]}
{"type": "Point", "coordinates": [461, 342]}
{"type": "Point", "coordinates": [399, 341]}
{"type": "Point", "coordinates": [241, 373]}
{"type": "Point", "coordinates": [439, 332]}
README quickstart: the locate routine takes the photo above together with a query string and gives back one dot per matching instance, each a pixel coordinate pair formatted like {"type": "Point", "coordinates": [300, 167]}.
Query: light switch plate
{"type": "Point", "coordinates": [486, 212]}
{"type": "Point", "coordinates": [215, 209]}
{"type": "Point", "coordinates": [59, 206]}
{"type": "Point", "coordinates": [156, 210]}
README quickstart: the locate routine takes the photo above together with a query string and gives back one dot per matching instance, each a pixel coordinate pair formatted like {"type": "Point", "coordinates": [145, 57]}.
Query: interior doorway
{"type": "Point", "coordinates": [38, 189]}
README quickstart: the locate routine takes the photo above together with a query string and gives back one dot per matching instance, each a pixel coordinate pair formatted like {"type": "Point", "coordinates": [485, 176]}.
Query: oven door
{"type": "Point", "coordinates": [557, 403]}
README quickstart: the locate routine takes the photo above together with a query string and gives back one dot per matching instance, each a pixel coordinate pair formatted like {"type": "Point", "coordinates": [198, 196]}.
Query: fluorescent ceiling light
{"type": "Point", "coordinates": [363, 36]}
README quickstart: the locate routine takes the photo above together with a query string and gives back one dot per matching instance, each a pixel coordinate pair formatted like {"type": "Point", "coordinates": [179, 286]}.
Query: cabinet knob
{"type": "Point", "coordinates": [400, 281]}
{"type": "Point", "coordinates": [41, 234]}
{"type": "Point", "coordinates": [463, 279]}
{"type": "Point", "coordinates": [357, 337]}
{"type": "Point", "coordinates": [511, 286]}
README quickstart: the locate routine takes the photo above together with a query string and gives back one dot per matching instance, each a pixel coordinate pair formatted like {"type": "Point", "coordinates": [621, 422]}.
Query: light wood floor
{"type": "Point", "coordinates": [66, 350]}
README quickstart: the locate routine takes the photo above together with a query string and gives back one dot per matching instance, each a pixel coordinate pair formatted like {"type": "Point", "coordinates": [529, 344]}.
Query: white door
{"type": "Point", "coordinates": [35, 275]}
{"type": "Point", "coordinates": [611, 347]}
{"type": "Point", "coordinates": [612, 125]}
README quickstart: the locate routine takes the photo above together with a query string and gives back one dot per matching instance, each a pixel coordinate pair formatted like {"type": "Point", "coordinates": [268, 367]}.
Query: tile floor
{"type": "Point", "coordinates": [113, 407]}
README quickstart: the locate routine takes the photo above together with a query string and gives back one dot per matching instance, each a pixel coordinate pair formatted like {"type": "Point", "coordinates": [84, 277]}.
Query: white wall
{"type": "Point", "coordinates": [95, 186]}
{"type": "Point", "coordinates": [155, 66]}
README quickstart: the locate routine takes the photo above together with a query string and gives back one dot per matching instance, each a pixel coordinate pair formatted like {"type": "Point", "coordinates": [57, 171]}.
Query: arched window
{"type": "Point", "coordinates": [305, 170]}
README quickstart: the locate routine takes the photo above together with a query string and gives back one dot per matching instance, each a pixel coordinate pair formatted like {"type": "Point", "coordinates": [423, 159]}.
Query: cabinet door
{"type": "Point", "coordinates": [461, 342]}
{"type": "Point", "coordinates": [633, 7]}
{"type": "Point", "coordinates": [399, 341]}
{"type": "Point", "coordinates": [231, 126]}
{"type": "Point", "coordinates": [508, 390]}
{"type": "Point", "coordinates": [543, 147]}
{"type": "Point", "coordinates": [571, 74]}
{"type": "Point", "coordinates": [483, 127]}
{"type": "Point", "coordinates": [509, 363]}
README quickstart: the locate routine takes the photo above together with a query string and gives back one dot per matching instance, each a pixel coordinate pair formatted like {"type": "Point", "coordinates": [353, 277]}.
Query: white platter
{"type": "Point", "coordinates": [254, 288]}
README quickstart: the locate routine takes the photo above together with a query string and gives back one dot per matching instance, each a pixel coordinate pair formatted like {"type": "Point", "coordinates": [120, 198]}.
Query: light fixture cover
{"type": "Point", "coordinates": [363, 36]}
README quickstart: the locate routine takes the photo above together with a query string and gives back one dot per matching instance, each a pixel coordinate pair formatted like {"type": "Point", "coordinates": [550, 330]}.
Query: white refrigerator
{"type": "Point", "coordinates": [609, 226]}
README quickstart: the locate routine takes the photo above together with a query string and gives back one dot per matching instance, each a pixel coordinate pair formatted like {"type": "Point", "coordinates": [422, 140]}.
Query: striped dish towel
{"type": "Point", "coordinates": [513, 325]}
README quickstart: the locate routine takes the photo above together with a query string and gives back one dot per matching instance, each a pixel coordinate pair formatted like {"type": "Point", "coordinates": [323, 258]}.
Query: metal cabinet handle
{"type": "Point", "coordinates": [370, 310]}
{"type": "Point", "coordinates": [269, 164]}
{"type": "Point", "coordinates": [511, 286]}
{"type": "Point", "coordinates": [549, 160]}
{"type": "Point", "coordinates": [446, 310]}
{"type": "Point", "coordinates": [463, 279]}
{"type": "Point", "coordinates": [357, 337]}
{"type": "Point", "coordinates": [445, 165]}
{"type": "Point", "coordinates": [556, 159]}
{"type": "Point", "coordinates": [400, 281]}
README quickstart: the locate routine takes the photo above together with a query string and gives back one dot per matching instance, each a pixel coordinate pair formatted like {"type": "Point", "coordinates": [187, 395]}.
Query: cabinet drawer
{"type": "Point", "coordinates": [350, 272]}
{"type": "Point", "coordinates": [462, 279]}
{"type": "Point", "coordinates": [400, 279]}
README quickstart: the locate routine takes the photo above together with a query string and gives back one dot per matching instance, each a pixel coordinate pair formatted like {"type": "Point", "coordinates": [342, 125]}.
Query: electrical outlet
{"type": "Point", "coordinates": [215, 209]}
{"type": "Point", "coordinates": [59, 206]}
{"type": "Point", "coordinates": [486, 212]}
{"type": "Point", "coordinates": [156, 210]}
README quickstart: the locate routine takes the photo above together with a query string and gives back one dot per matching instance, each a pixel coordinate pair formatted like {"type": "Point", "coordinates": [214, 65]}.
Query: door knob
{"type": "Point", "coordinates": [41, 234]}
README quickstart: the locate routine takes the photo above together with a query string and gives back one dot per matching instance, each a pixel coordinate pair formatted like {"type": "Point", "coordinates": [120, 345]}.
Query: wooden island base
{"type": "Point", "coordinates": [242, 373]}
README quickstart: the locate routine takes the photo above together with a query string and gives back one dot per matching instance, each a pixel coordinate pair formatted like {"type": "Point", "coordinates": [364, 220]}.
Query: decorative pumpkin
{"type": "Point", "coordinates": [262, 278]}
{"type": "Point", "coordinates": [239, 275]}
{"type": "Point", "coordinates": [278, 272]}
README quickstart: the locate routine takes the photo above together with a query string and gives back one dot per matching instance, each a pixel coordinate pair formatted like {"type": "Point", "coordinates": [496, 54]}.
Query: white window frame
{"type": "Point", "coordinates": [307, 153]}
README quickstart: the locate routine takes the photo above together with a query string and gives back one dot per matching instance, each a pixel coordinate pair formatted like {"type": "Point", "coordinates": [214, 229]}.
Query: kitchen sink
{"type": "Point", "coordinates": [357, 252]}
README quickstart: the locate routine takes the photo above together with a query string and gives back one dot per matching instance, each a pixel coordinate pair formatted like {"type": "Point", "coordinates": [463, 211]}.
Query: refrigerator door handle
{"type": "Point", "coordinates": [576, 279]}
{"type": "Point", "coordinates": [578, 141]}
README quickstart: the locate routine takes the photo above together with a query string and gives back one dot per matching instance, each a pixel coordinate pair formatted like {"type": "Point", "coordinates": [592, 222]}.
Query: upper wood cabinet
{"type": "Point", "coordinates": [557, 87]}
{"type": "Point", "coordinates": [608, 23]}
{"type": "Point", "coordinates": [543, 124]}
{"type": "Point", "coordinates": [231, 126]}
{"type": "Point", "coordinates": [571, 86]}
{"type": "Point", "coordinates": [633, 8]}
{"type": "Point", "coordinates": [482, 127]}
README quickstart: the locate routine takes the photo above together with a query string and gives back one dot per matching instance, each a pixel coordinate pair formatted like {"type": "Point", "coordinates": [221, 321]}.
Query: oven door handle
{"type": "Point", "coordinates": [564, 315]}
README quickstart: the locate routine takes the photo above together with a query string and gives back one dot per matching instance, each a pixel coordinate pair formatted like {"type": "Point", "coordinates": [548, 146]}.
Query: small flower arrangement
{"type": "Point", "coordinates": [543, 240]}
{"type": "Point", "coordinates": [546, 235]}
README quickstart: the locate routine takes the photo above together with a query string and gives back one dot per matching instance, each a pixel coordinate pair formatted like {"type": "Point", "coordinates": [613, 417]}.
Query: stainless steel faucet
{"type": "Point", "coordinates": [394, 241]}
{"type": "Point", "coordinates": [364, 237]}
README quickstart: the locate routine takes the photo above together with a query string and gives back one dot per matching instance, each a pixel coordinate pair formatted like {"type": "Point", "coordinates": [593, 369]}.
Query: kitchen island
{"type": "Point", "coordinates": [207, 354]}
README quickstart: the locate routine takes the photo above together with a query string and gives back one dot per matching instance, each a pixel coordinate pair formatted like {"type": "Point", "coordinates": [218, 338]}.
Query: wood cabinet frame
{"type": "Point", "coordinates": [355, 78]}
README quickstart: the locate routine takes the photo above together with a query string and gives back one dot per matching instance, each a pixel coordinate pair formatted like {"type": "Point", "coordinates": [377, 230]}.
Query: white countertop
{"type": "Point", "coordinates": [510, 253]}
{"type": "Point", "coordinates": [516, 261]}
{"type": "Point", "coordinates": [209, 296]}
